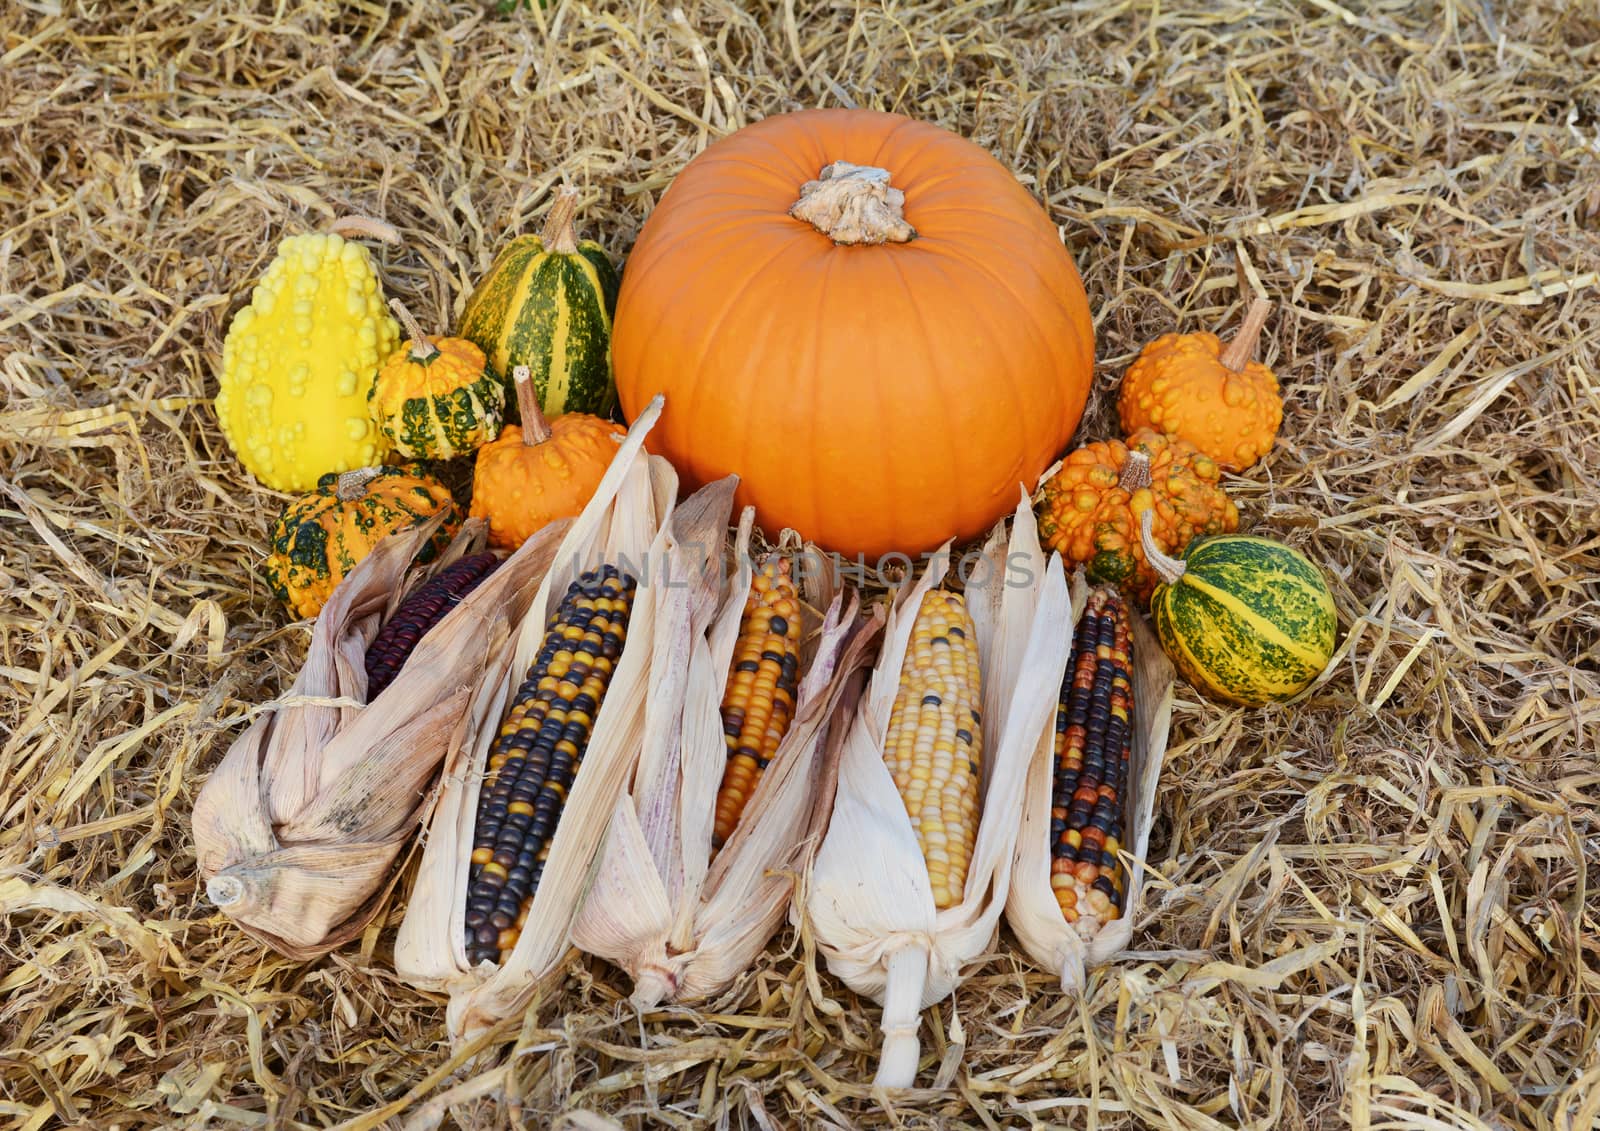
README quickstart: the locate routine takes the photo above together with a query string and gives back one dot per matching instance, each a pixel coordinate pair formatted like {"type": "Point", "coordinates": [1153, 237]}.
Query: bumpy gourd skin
{"type": "Point", "coordinates": [299, 361]}
{"type": "Point", "coordinates": [1087, 516]}
{"type": "Point", "coordinates": [438, 407]}
{"type": "Point", "coordinates": [1178, 384]}
{"type": "Point", "coordinates": [520, 487]}
{"type": "Point", "coordinates": [320, 537]}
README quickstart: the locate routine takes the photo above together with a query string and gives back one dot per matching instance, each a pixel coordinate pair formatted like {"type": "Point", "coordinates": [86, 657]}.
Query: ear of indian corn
{"type": "Point", "coordinates": [418, 613]}
{"type": "Point", "coordinates": [1094, 737]}
{"type": "Point", "coordinates": [934, 745]}
{"type": "Point", "coordinates": [759, 702]}
{"type": "Point", "coordinates": [536, 755]}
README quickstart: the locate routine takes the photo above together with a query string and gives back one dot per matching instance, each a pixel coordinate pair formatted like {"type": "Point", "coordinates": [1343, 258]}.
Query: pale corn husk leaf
{"type": "Point", "coordinates": [1031, 908]}
{"type": "Point", "coordinates": [624, 523]}
{"type": "Point", "coordinates": [680, 924]}
{"type": "Point", "coordinates": [877, 926]}
{"type": "Point", "coordinates": [298, 829]}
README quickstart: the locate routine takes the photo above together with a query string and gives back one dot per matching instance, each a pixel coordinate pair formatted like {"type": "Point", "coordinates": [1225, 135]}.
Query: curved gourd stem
{"type": "Point", "coordinates": [1169, 569]}
{"type": "Point", "coordinates": [1242, 349]}
{"type": "Point", "coordinates": [352, 485]}
{"type": "Point", "coordinates": [853, 204]}
{"type": "Point", "coordinates": [422, 350]}
{"type": "Point", "coordinates": [1135, 471]}
{"type": "Point", "coordinates": [558, 234]}
{"type": "Point", "coordinates": [902, 1017]}
{"type": "Point", "coordinates": [535, 428]}
{"type": "Point", "coordinates": [368, 226]}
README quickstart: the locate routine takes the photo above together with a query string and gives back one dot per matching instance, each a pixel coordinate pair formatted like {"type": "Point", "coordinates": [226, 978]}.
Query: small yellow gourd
{"type": "Point", "coordinates": [299, 361]}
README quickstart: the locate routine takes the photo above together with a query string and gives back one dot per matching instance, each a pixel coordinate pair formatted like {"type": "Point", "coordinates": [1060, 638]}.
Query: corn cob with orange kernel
{"type": "Point", "coordinates": [536, 756]}
{"type": "Point", "coordinates": [418, 613]}
{"type": "Point", "coordinates": [934, 744]}
{"type": "Point", "coordinates": [1094, 738]}
{"type": "Point", "coordinates": [759, 702]}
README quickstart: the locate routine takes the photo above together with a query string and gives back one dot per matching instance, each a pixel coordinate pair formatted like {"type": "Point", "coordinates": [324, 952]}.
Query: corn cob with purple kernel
{"type": "Point", "coordinates": [1094, 737]}
{"type": "Point", "coordinates": [536, 755]}
{"type": "Point", "coordinates": [759, 702]}
{"type": "Point", "coordinates": [418, 613]}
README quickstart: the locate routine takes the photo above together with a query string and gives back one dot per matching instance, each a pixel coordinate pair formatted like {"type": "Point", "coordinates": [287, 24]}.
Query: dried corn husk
{"type": "Point", "coordinates": [1031, 908]}
{"type": "Point", "coordinates": [681, 923]}
{"type": "Point", "coordinates": [298, 828]}
{"type": "Point", "coordinates": [869, 901]}
{"type": "Point", "coordinates": [624, 523]}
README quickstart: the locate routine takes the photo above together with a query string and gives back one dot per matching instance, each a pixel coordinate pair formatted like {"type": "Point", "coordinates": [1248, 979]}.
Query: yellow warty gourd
{"type": "Point", "coordinates": [299, 360]}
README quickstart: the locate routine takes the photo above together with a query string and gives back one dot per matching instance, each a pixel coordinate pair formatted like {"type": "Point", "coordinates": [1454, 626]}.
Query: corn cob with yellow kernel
{"type": "Point", "coordinates": [1094, 738]}
{"type": "Point", "coordinates": [417, 615]}
{"type": "Point", "coordinates": [536, 755]}
{"type": "Point", "coordinates": [759, 702]}
{"type": "Point", "coordinates": [934, 745]}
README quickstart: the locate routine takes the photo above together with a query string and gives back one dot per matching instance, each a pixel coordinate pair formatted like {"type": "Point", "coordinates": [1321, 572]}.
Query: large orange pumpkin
{"type": "Point", "coordinates": [878, 395]}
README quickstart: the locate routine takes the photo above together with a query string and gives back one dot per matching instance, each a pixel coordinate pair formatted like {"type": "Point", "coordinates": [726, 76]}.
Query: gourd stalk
{"type": "Point", "coordinates": [558, 234]}
{"type": "Point", "coordinates": [1169, 569]}
{"type": "Point", "coordinates": [1242, 349]}
{"type": "Point", "coordinates": [535, 428]}
{"type": "Point", "coordinates": [352, 485]}
{"type": "Point", "coordinates": [422, 350]}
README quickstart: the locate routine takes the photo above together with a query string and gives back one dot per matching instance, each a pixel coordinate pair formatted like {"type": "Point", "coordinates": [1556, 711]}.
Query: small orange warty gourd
{"type": "Point", "coordinates": [1220, 400]}
{"type": "Point", "coordinates": [1089, 509]}
{"type": "Point", "coordinates": [540, 470]}
{"type": "Point", "coordinates": [867, 318]}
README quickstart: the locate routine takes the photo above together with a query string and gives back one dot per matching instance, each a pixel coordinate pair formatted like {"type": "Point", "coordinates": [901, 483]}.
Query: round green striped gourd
{"type": "Point", "coordinates": [547, 303]}
{"type": "Point", "coordinates": [1245, 619]}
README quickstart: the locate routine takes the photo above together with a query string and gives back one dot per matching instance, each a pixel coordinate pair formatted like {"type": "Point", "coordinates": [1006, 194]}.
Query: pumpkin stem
{"type": "Point", "coordinates": [352, 485]}
{"type": "Point", "coordinates": [558, 234]}
{"type": "Point", "coordinates": [1243, 347]}
{"type": "Point", "coordinates": [853, 204]}
{"type": "Point", "coordinates": [1135, 471]}
{"type": "Point", "coordinates": [535, 428]}
{"type": "Point", "coordinates": [422, 350]}
{"type": "Point", "coordinates": [368, 226]}
{"type": "Point", "coordinates": [1169, 569]}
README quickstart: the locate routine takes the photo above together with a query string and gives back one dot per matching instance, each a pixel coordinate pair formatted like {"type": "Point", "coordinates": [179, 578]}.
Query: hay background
{"type": "Point", "coordinates": [1374, 908]}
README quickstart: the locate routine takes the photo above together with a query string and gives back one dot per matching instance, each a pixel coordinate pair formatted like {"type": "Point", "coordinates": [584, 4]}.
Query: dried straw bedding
{"type": "Point", "coordinates": [1372, 908]}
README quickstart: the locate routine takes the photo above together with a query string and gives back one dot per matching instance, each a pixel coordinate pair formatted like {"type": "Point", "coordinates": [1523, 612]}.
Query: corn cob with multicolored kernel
{"type": "Point", "coordinates": [759, 702]}
{"type": "Point", "coordinates": [418, 613]}
{"type": "Point", "coordinates": [1094, 737]}
{"type": "Point", "coordinates": [536, 756]}
{"type": "Point", "coordinates": [934, 745]}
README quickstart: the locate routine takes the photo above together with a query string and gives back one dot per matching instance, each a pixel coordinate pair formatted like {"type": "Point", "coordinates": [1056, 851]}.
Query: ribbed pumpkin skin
{"type": "Point", "coordinates": [1251, 620]}
{"type": "Point", "coordinates": [320, 537]}
{"type": "Point", "coordinates": [875, 398]}
{"type": "Point", "coordinates": [552, 313]}
{"type": "Point", "coordinates": [440, 408]}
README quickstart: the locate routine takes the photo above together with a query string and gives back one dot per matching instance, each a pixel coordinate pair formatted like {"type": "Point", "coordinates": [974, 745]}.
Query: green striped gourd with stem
{"type": "Point", "coordinates": [1245, 619]}
{"type": "Point", "coordinates": [547, 303]}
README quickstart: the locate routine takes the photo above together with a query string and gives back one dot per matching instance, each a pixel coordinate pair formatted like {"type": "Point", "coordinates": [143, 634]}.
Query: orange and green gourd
{"type": "Point", "coordinates": [547, 303]}
{"type": "Point", "coordinates": [539, 470]}
{"type": "Point", "coordinates": [1088, 510]}
{"type": "Point", "coordinates": [299, 361]}
{"type": "Point", "coordinates": [320, 537]}
{"type": "Point", "coordinates": [1220, 400]}
{"type": "Point", "coordinates": [436, 397]}
{"type": "Point", "coordinates": [1244, 619]}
